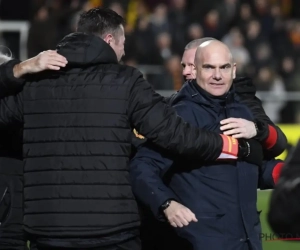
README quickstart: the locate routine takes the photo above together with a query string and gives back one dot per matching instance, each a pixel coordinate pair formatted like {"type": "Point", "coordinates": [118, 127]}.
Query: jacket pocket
{"type": "Point", "coordinates": [5, 203]}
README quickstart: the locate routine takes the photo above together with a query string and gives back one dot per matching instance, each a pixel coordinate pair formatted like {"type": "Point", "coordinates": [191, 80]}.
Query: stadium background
{"type": "Point", "coordinates": [263, 35]}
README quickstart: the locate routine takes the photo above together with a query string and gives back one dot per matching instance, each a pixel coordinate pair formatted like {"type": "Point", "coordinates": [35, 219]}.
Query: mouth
{"type": "Point", "coordinates": [216, 84]}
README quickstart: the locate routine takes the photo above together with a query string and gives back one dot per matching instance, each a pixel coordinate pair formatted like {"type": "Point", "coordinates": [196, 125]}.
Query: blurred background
{"type": "Point", "coordinates": [263, 35]}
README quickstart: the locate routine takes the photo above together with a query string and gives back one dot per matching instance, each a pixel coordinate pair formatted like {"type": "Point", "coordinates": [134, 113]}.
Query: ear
{"type": "Point", "coordinates": [234, 71]}
{"type": "Point", "coordinates": [108, 38]}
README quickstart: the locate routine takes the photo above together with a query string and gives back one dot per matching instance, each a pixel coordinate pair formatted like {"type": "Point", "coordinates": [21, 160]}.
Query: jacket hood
{"type": "Point", "coordinates": [244, 85]}
{"type": "Point", "coordinates": [82, 49]}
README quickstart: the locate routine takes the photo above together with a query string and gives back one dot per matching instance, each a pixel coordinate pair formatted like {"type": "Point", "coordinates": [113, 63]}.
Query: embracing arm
{"type": "Point", "coordinates": [271, 136]}
{"type": "Point", "coordinates": [12, 71]}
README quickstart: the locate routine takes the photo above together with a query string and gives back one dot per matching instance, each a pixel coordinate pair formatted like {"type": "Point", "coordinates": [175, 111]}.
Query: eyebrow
{"type": "Point", "coordinates": [206, 65]}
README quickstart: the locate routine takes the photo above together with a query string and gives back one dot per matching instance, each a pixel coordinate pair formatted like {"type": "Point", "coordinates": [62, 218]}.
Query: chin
{"type": "Point", "coordinates": [217, 93]}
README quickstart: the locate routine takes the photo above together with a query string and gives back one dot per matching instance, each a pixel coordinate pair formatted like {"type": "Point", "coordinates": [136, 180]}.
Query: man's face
{"type": "Point", "coordinates": [188, 66]}
{"type": "Point", "coordinates": [215, 70]}
{"type": "Point", "coordinates": [117, 43]}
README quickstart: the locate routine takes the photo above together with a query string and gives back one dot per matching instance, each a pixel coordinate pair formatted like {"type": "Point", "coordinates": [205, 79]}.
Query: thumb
{"type": "Point", "coordinates": [194, 218]}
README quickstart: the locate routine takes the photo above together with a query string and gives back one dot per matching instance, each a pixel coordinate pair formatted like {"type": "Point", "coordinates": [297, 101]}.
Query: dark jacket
{"type": "Point", "coordinates": [11, 179]}
{"type": "Point", "coordinates": [77, 127]}
{"type": "Point", "coordinates": [222, 195]}
{"type": "Point", "coordinates": [271, 136]}
{"type": "Point", "coordinates": [11, 191]}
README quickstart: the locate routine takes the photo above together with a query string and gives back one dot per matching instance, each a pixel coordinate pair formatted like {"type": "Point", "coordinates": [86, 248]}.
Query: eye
{"type": "Point", "coordinates": [207, 67]}
{"type": "Point", "coordinates": [226, 66]}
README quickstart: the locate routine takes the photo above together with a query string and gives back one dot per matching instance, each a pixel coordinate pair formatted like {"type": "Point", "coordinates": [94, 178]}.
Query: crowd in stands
{"type": "Point", "coordinates": [263, 35]}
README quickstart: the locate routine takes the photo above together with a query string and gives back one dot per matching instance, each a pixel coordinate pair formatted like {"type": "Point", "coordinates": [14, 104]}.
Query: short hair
{"type": "Point", "coordinates": [4, 58]}
{"type": "Point", "coordinates": [197, 42]}
{"type": "Point", "coordinates": [100, 22]}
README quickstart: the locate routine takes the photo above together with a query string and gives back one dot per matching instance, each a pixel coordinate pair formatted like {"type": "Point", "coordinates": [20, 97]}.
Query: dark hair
{"type": "Point", "coordinates": [100, 22]}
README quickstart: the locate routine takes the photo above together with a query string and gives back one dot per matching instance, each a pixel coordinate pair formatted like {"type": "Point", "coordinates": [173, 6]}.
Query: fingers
{"type": "Point", "coordinates": [51, 67]}
{"type": "Point", "coordinates": [194, 219]}
{"type": "Point", "coordinates": [182, 218]}
{"type": "Point", "coordinates": [229, 126]}
{"type": "Point", "coordinates": [56, 63]}
{"type": "Point", "coordinates": [51, 57]}
{"type": "Point", "coordinates": [229, 120]}
{"type": "Point", "coordinates": [237, 136]}
{"type": "Point", "coordinates": [233, 131]}
{"type": "Point", "coordinates": [57, 57]}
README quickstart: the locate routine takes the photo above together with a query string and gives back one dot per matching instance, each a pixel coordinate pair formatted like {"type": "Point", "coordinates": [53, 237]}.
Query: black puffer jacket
{"type": "Point", "coordinates": [11, 175]}
{"type": "Point", "coordinates": [11, 191]}
{"type": "Point", "coordinates": [77, 140]}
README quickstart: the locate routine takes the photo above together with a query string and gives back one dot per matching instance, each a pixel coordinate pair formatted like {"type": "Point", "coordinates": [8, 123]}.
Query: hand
{"type": "Point", "coordinates": [179, 215]}
{"type": "Point", "coordinates": [46, 60]}
{"type": "Point", "coordinates": [238, 128]}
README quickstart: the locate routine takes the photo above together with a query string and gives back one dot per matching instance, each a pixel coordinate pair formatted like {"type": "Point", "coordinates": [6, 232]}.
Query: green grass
{"type": "Point", "coordinates": [263, 204]}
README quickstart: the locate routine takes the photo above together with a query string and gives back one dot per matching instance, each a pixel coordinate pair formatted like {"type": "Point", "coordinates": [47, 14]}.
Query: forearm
{"type": "Point", "coordinates": [21, 69]}
{"type": "Point", "coordinates": [272, 138]}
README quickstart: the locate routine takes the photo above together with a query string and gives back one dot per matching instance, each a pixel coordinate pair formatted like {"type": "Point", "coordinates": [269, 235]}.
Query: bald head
{"type": "Point", "coordinates": [215, 69]}
{"type": "Point", "coordinates": [212, 47]}
{"type": "Point", "coordinates": [195, 43]}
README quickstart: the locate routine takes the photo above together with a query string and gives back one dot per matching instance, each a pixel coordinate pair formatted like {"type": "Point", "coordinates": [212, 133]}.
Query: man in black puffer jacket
{"type": "Point", "coordinates": [77, 127]}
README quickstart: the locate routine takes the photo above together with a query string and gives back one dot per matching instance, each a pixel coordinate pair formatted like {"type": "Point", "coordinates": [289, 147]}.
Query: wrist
{"type": "Point", "coordinates": [19, 70]}
{"type": "Point", "coordinates": [165, 205]}
{"type": "Point", "coordinates": [22, 68]}
{"type": "Point", "coordinates": [262, 131]}
{"type": "Point", "coordinates": [244, 148]}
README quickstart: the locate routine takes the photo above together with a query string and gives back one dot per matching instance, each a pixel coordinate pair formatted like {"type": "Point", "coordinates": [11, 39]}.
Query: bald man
{"type": "Point", "coordinates": [263, 129]}
{"type": "Point", "coordinates": [211, 205]}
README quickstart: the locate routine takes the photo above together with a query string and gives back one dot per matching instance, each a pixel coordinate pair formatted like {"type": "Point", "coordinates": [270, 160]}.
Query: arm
{"type": "Point", "coordinates": [270, 135]}
{"type": "Point", "coordinates": [11, 111]}
{"type": "Point", "coordinates": [270, 172]}
{"type": "Point", "coordinates": [158, 122]}
{"type": "Point", "coordinates": [146, 171]}
{"type": "Point", "coordinates": [12, 71]}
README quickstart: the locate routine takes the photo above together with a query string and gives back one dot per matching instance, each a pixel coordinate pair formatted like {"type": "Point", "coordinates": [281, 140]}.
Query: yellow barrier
{"type": "Point", "coordinates": [292, 132]}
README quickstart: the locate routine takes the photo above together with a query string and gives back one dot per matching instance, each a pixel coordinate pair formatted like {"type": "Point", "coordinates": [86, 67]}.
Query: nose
{"type": "Point", "coordinates": [217, 74]}
{"type": "Point", "coordinates": [186, 71]}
